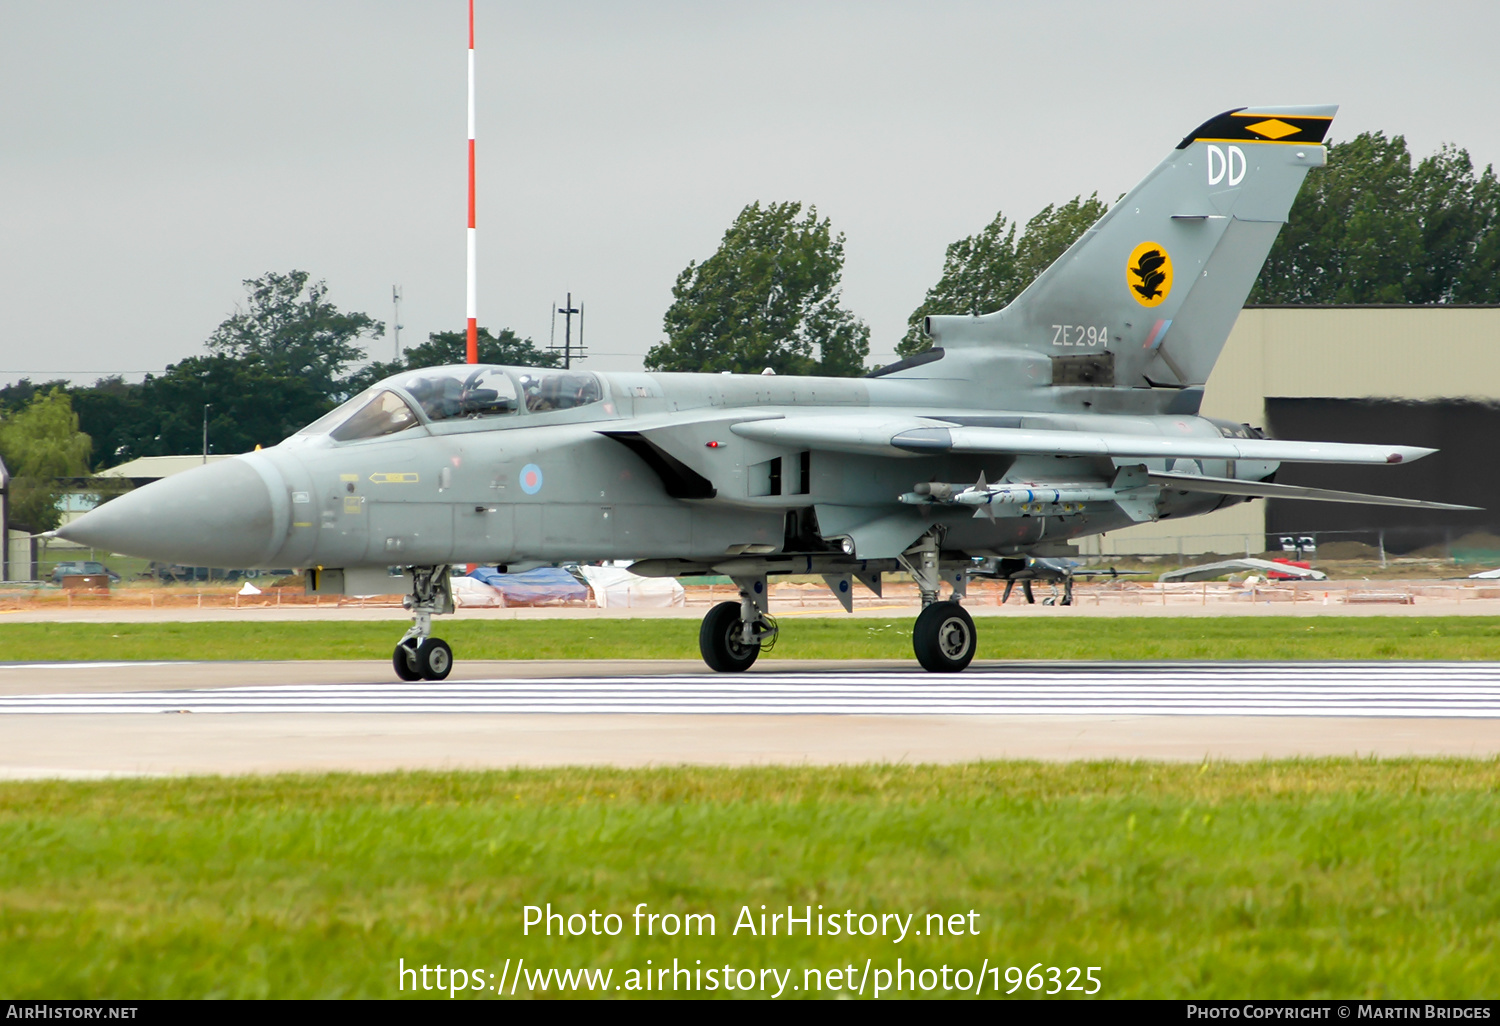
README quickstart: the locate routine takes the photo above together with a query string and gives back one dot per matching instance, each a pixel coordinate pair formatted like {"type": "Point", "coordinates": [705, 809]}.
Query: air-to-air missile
{"type": "Point", "coordinates": [1074, 410]}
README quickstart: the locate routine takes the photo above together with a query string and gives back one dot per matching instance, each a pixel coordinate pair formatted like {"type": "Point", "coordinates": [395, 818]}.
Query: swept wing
{"type": "Point", "coordinates": [916, 436]}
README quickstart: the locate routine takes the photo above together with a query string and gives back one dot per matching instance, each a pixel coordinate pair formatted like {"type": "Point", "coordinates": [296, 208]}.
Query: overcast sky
{"type": "Point", "coordinates": [153, 154]}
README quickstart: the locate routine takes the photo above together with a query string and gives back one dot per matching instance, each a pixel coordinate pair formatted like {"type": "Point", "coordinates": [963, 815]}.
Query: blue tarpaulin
{"type": "Point", "coordinates": [534, 587]}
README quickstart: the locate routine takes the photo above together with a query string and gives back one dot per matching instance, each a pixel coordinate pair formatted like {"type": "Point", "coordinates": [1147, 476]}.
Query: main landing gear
{"type": "Point", "coordinates": [418, 655]}
{"type": "Point", "coordinates": [943, 637]}
{"type": "Point", "coordinates": [734, 634]}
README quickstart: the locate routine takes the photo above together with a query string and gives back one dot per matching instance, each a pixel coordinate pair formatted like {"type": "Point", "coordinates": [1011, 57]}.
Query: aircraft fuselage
{"type": "Point", "coordinates": [553, 485]}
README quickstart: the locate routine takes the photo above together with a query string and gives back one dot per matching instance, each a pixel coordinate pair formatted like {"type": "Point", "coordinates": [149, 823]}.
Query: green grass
{"type": "Point", "coordinates": [1373, 637]}
{"type": "Point", "coordinates": [1332, 878]}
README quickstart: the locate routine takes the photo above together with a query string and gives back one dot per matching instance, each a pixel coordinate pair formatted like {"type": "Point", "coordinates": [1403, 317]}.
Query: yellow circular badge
{"type": "Point", "coordinates": [1149, 274]}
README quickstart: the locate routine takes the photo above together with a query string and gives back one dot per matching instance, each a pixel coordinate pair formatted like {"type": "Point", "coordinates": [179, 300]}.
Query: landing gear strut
{"type": "Point", "coordinates": [734, 634]}
{"type": "Point", "coordinates": [418, 655]}
{"type": "Point", "coordinates": [1025, 590]}
{"type": "Point", "coordinates": [943, 637]}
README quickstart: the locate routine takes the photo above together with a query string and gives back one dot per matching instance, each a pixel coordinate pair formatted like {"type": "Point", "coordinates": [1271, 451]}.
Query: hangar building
{"type": "Point", "coordinates": [1418, 375]}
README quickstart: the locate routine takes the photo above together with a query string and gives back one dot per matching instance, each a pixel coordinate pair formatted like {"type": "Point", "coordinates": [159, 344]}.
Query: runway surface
{"type": "Point", "coordinates": [1088, 689]}
{"type": "Point", "coordinates": [90, 720]}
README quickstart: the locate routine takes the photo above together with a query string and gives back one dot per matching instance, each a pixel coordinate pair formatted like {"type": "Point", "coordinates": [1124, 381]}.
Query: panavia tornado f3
{"type": "Point", "coordinates": [1072, 411]}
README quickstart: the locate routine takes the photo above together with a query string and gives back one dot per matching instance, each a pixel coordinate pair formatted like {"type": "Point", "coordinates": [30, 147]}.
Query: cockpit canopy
{"type": "Point", "coordinates": [558, 390]}
{"type": "Point", "coordinates": [444, 393]}
{"type": "Point", "coordinates": [460, 392]}
{"type": "Point", "coordinates": [385, 414]}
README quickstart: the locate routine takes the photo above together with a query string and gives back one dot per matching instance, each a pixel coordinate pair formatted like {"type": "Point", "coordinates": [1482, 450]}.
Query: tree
{"type": "Point", "coordinates": [40, 444]}
{"type": "Point", "coordinates": [987, 270]}
{"type": "Point", "coordinates": [250, 403]}
{"type": "Point", "coordinates": [114, 413]}
{"type": "Point", "coordinates": [290, 328]}
{"type": "Point", "coordinates": [1371, 227]}
{"type": "Point", "coordinates": [508, 348]}
{"type": "Point", "coordinates": [15, 396]}
{"type": "Point", "coordinates": [768, 297]}
{"type": "Point", "coordinates": [445, 347]}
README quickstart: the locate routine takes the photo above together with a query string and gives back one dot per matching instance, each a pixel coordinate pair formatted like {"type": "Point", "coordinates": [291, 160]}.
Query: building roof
{"type": "Point", "coordinates": [153, 467]}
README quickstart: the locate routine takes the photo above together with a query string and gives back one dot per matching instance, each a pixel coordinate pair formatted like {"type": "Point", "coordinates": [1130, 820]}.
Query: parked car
{"type": "Point", "coordinates": [176, 573]}
{"type": "Point", "coordinates": [83, 568]}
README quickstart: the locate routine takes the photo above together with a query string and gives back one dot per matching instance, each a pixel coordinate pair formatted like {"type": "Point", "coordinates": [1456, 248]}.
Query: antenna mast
{"type": "Point", "coordinates": [472, 306]}
{"type": "Point", "coordinates": [570, 352]}
{"type": "Point", "coordinates": [396, 320]}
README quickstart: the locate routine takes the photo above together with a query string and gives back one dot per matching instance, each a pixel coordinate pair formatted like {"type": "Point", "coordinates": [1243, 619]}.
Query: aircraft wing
{"type": "Point", "coordinates": [1268, 490]}
{"type": "Point", "coordinates": [921, 436]}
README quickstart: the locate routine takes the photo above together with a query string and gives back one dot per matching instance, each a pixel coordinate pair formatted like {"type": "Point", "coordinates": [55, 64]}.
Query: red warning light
{"type": "Point", "coordinates": [714, 445]}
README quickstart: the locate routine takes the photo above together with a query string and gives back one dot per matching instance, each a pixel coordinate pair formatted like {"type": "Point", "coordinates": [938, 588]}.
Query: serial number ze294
{"type": "Point", "coordinates": [1049, 979]}
{"type": "Point", "coordinates": [1079, 335]}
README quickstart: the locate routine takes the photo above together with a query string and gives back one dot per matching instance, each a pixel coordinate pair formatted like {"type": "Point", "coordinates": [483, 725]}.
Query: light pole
{"type": "Point", "coordinates": [205, 431]}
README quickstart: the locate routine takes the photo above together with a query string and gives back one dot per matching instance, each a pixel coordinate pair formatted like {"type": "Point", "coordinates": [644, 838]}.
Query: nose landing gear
{"type": "Point", "coordinates": [430, 659]}
{"type": "Point", "coordinates": [418, 655]}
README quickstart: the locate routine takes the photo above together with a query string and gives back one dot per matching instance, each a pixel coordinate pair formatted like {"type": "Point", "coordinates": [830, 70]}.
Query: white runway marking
{"type": "Point", "coordinates": [78, 666]}
{"type": "Point", "coordinates": [1428, 689]}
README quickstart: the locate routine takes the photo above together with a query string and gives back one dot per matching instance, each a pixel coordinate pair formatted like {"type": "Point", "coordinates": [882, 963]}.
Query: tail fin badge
{"type": "Point", "coordinates": [1149, 274]}
{"type": "Point", "coordinates": [1273, 128]}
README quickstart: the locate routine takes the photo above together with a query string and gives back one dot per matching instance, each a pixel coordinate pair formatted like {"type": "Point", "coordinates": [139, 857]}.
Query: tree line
{"type": "Point", "coordinates": [281, 361]}
{"type": "Point", "coordinates": [1373, 226]}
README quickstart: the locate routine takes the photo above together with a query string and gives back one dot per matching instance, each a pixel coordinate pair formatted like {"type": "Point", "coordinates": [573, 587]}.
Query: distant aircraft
{"type": "Point", "coordinates": [1029, 569]}
{"type": "Point", "coordinates": [1071, 412]}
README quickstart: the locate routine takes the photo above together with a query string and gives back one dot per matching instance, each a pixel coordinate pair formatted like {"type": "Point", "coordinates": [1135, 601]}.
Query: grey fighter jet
{"type": "Point", "coordinates": [1071, 412]}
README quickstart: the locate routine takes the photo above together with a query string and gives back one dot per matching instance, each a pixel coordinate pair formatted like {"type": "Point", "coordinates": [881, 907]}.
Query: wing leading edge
{"type": "Point", "coordinates": [916, 436]}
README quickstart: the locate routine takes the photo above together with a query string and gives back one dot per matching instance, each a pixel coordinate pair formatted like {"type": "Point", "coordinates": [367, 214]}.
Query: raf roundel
{"type": "Point", "coordinates": [531, 479]}
{"type": "Point", "coordinates": [1148, 272]}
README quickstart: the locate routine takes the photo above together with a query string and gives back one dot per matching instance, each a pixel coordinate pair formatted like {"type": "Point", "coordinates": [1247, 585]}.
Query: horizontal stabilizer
{"type": "Point", "coordinates": [917, 436]}
{"type": "Point", "coordinates": [1269, 490]}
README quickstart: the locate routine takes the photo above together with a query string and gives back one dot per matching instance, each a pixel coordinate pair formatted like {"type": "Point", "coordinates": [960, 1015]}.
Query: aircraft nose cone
{"type": "Point", "coordinates": [218, 515]}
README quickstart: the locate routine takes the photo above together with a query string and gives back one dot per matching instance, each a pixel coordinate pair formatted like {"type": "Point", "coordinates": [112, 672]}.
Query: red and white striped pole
{"type": "Point", "coordinates": [472, 307]}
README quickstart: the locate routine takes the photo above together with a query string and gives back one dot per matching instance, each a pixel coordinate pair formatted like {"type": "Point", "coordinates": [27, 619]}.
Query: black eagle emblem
{"type": "Point", "coordinates": [1148, 270]}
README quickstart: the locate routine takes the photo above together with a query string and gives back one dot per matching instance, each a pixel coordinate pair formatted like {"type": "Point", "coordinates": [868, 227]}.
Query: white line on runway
{"type": "Point", "coordinates": [1461, 690]}
{"type": "Point", "coordinates": [80, 666]}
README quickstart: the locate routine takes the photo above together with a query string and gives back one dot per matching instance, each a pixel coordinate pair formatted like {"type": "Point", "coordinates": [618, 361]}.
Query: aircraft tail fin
{"type": "Point", "coordinates": [1148, 295]}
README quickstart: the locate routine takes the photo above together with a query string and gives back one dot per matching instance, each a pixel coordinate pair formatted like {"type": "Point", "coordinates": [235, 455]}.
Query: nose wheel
{"type": "Point", "coordinates": [418, 655]}
{"type": "Point", "coordinates": [405, 662]}
{"type": "Point", "coordinates": [430, 659]}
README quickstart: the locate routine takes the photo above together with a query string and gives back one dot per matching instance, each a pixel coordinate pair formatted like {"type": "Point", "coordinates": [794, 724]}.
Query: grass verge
{"type": "Point", "coordinates": [1329, 878]}
{"type": "Point", "coordinates": [1373, 637]}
